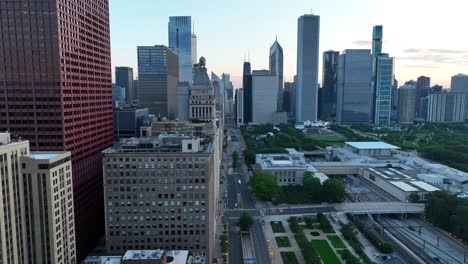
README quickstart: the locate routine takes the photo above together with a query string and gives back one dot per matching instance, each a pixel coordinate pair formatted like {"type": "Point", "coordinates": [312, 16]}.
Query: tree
{"type": "Point", "coordinates": [333, 191]}
{"type": "Point", "coordinates": [245, 221]}
{"type": "Point", "coordinates": [414, 197]}
{"type": "Point", "coordinates": [312, 186]}
{"type": "Point", "coordinates": [265, 186]}
{"type": "Point", "coordinates": [387, 248]}
{"type": "Point", "coordinates": [235, 157]}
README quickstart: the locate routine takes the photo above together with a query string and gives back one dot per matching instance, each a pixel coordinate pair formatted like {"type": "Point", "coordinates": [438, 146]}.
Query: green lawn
{"type": "Point", "coordinates": [325, 251]}
{"type": "Point", "coordinates": [277, 227]}
{"type": "Point", "coordinates": [289, 257]}
{"type": "Point", "coordinates": [336, 241]}
{"type": "Point", "coordinates": [283, 241]}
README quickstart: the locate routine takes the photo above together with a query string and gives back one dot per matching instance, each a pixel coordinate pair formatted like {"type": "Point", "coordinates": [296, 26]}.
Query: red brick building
{"type": "Point", "coordinates": [56, 92]}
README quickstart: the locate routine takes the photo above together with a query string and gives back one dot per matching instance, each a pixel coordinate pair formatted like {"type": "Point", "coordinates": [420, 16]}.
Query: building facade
{"type": "Point", "coordinates": [264, 97]}
{"type": "Point", "coordinates": [308, 35]}
{"type": "Point", "coordinates": [56, 92]}
{"type": "Point", "coordinates": [407, 95]}
{"type": "Point", "coordinates": [202, 104]}
{"type": "Point", "coordinates": [459, 83]}
{"type": "Point", "coordinates": [158, 74]}
{"type": "Point", "coordinates": [446, 107]}
{"type": "Point", "coordinates": [422, 90]}
{"type": "Point", "coordinates": [128, 120]}
{"type": "Point", "coordinates": [329, 85]}
{"type": "Point", "coordinates": [354, 94]}
{"type": "Point", "coordinates": [240, 106]}
{"type": "Point", "coordinates": [183, 95]}
{"type": "Point", "coordinates": [36, 199]}
{"type": "Point", "coordinates": [276, 68]}
{"type": "Point", "coordinates": [247, 86]}
{"type": "Point", "coordinates": [180, 42]}
{"type": "Point", "coordinates": [383, 91]}
{"type": "Point", "coordinates": [160, 193]}
{"type": "Point", "coordinates": [124, 78]}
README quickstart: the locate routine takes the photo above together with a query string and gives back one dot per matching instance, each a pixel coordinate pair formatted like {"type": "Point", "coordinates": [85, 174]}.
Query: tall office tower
{"type": "Point", "coordinates": [276, 68]}
{"type": "Point", "coordinates": [240, 106]}
{"type": "Point", "coordinates": [118, 96]}
{"type": "Point", "coordinates": [459, 83]}
{"type": "Point", "coordinates": [158, 75]}
{"type": "Point", "coordinates": [290, 100]}
{"type": "Point", "coordinates": [329, 85]}
{"type": "Point", "coordinates": [49, 207]}
{"type": "Point", "coordinates": [124, 78]}
{"type": "Point", "coordinates": [406, 107]}
{"type": "Point", "coordinates": [446, 107]}
{"type": "Point", "coordinates": [229, 93]}
{"type": "Point", "coordinates": [383, 92]}
{"type": "Point", "coordinates": [202, 104]}
{"type": "Point", "coordinates": [247, 86]}
{"type": "Point", "coordinates": [170, 190]}
{"type": "Point", "coordinates": [183, 95]}
{"type": "Point", "coordinates": [422, 90]}
{"type": "Point", "coordinates": [135, 90]}
{"type": "Point", "coordinates": [194, 48]}
{"type": "Point", "coordinates": [377, 35]}
{"type": "Point", "coordinates": [354, 93]}
{"type": "Point", "coordinates": [36, 205]}
{"type": "Point", "coordinates": [264, 96]}
{"type": "Point", "coordinates": [56, 92]}
{"type": "Point", "coordinates": [308, 33]}
{"type": "Point", "coordinates": [394, 100]}
{"type": "Point", "coordinates": [180, 41]}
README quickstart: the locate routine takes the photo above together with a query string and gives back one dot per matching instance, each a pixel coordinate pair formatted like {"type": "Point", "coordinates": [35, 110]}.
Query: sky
{"type": "Point", "coordinates": [427, 37]}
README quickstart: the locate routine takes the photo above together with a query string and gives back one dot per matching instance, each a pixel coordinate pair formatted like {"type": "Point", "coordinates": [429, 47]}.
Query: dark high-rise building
{"type": "Point", "coordinates": [423, 85]}
{"type": "Point", "coordinates": [394, 100]}
{"type": "Point", "coordinates": [124, 78]}
{"type": "Point", "coordinates": [289, 99]}
{"type": "Point", "coordinates": [329, 85]}
{"type": "Point", "coordinates": [354, 87]}
{"type": "Point", "coordinates": [56, 92]}
{"type": "Point", "coordinates": [158, 75]}
{"type": "Point", "coordinates": [308, 35]}
{"type": "Point", "coordinates": [406, 107]}
{"type": "Point", "coordinates": [247, 83]}
{"type": "Point", "coordinates": [436, 89]}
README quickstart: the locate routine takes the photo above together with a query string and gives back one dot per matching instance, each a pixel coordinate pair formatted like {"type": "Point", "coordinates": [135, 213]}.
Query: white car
{"type": "Point", "coordinates": [239, 181]}
{"type": "Point", "coordinates": [235, 205]}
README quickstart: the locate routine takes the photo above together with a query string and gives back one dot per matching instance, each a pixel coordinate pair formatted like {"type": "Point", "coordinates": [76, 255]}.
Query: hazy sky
{"type": "Point", "coordinates": [427, 37]}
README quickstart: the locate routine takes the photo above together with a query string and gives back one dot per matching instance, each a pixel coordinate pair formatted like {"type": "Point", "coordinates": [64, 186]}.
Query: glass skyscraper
{"type": "Point", "coordinates": [180, 41]}
{"type": "Point", "coordinates": [276, 68]}
{"type": "Point", "coordinates": [330, 84]}
{"type": "Point", "coordinates": [354, 94]}
{"type": "Point", "coordinates": [383, 92]}
{"type": "Point", "coordinates": [308, 34]}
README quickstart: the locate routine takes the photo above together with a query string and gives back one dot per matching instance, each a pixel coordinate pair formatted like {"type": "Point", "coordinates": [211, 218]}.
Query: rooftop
{"type": "Point", "coordinates": [143, 254]}
{"type": "Point", "coordinates": [403, 179]}
{"type": "Point", "coordinates": [371, 145]}
{"type": "Point", "coordinates": [102, 260]}
{"type": "Point", "coordinates": [45, 155]}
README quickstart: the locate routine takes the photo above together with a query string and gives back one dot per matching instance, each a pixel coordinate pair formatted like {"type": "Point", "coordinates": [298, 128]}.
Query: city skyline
{"type": "Point", "coordinates": [420, 47]}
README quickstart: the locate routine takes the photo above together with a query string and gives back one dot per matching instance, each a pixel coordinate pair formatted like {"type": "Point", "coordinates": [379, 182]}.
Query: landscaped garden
{"type": "Point", "coordinates": [325, 251]}
{"type": "Point", "coordinates": [336, 241]}
{"type": "Point", "coordinates": [283, 241]}
{"type": "Point", "coordinates": [277, 227]}
{"type": "Point", "coordinates": [289, 257]}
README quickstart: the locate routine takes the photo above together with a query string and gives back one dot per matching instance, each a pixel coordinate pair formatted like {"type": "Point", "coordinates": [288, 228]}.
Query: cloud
{"type": "Point", "coordinates": [422, 66]}
{"type": "Point", "coordinates": [362, 42]}
{"type": "Point", "coordinates": [412, 50]}
{"type": "Point", "coordinates": [448, 51]}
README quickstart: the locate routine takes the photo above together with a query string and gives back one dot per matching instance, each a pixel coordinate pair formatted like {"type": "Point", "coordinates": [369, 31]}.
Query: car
{"type": "Point", "coordinates": [235, 205]}
{"type": "Point", "coordinates": [239, 181]}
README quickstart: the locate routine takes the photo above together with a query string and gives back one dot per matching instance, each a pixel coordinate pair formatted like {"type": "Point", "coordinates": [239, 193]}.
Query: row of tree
{"type": "Point", "coordinates": [448, 212]}
{"type": "Point", "coordinates": [266, 188]}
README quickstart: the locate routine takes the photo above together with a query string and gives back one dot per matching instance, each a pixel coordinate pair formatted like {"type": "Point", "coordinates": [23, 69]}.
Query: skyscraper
{"type": "Point", "coordinates": [180, 41]}
{"type": "Point", "coordinates": [329, 85]}
{"type": "Point", "coordinates": [308, 33]}
{"type": "Point", "coordinates": [394, 100]}
{"type": "Point", "coordinates": [406, 106]}
{"type": "Point", "coordinates": [124, 78]}
{"type": "Point", "coordinates": [383, 92]}
{"type": "Point", "coordinates": [446, 107]}
{"type": "Point", "coordinates": [377, 35]}
{"type": "Point", "coordinates": [56, 92]}
{"type": "Point", "coordinates": [247, 85]}
{"type": "Point", "coordinates": [459, 83]}
{"type": "Point", "coordinates": [264, 96]}
{"type": "Point", "coordinates": [276, 68]}
{"type": "Point", "coordinates": [194, 48]}
{"type": "Point", "coordinates": [354, 93]}
{"type": "Point", "coordinates": [422, 90]}
{"type": "Point", "coordinates": [157, 80]}
{"type": "Point", "coordinates": [202, 104]}
{"type": "Point", "coordinates": [240, 106]}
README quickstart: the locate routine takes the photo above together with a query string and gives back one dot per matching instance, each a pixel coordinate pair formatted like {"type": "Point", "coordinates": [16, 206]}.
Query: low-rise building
{"type": "Point", "coordinates": [161, 193]}
{"type": "Point", "coordinates": [289, 168]}
{"type": "Point", "coordinates": [157, 256]}
{"type": "Point", "coordinates": [373, 149]}
{"type": "Point", "coordinates": [128, 120]}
